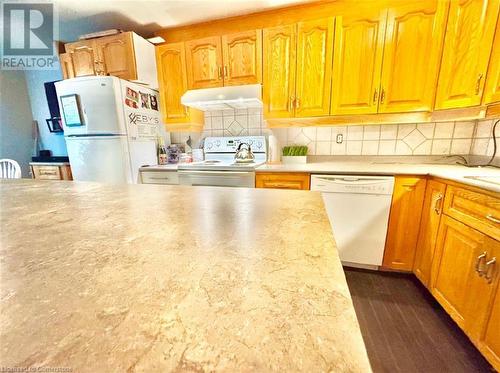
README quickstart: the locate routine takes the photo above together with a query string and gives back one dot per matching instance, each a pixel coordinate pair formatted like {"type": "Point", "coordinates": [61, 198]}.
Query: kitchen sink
{"type": "Point", "coordinates": [488, 179]}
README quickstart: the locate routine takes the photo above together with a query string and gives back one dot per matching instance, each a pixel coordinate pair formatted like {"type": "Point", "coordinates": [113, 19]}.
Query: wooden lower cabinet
{"type": "Point", "coordinates": [51, 172]}
{"type": "Point", "coordinates": [404, 222]}
{"type": "Point", "coordinates": [461, 252]}
{"type": "Point", "coordinates": [429, 225]}
{"type": "Point", "coordinates": [283, 180]}
{"type": "Point", "coordinates": [489, 343]}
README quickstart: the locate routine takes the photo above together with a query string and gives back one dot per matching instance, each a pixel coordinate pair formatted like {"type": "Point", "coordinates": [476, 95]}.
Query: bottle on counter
{"type": "Point", "coordinates": [162, 152]}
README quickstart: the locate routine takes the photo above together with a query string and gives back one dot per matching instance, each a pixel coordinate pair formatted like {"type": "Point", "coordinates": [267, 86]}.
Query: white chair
{"type": "Point", "coordinates": [9, 169]}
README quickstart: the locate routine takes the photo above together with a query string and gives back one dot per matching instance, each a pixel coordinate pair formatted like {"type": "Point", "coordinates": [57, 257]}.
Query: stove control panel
{"type": "Point", "coordinates": [230, 144]}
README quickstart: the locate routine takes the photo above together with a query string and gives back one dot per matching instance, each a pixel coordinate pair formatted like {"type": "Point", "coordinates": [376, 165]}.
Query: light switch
{"type": "Point", "coordinates": [340, 138]}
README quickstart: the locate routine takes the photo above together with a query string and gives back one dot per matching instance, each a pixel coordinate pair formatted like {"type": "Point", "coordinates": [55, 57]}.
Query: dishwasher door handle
{"type": "Point", "coordinates": [350, 181]}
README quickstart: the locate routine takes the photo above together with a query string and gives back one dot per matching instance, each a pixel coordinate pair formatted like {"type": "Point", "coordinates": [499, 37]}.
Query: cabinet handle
{"type": "Point", "coordinates": [375, 96]}
{"type": "Point", "coordinates": [225, 71]}
{"type": "Point", "coordinates": [297, 103]}
{"type": "Point", "coordinates": [291, 103]}
{"type": "Point", "coordinates": [437, 204]}
{"type": "Point", "coordinates": [220, 72]}
{"type": "Point", "coordinates": [492, 218]}
{"type": "Point", "coordinates": [480, 258]}
{"type": "Point", "coordinates": [490, 265]}
{"type": "Point", "coordinates": [478, 83]}
{"type": "Point", "coordinates": [382, 96]}
{"type": "Point", "coordinates": [48, 173]}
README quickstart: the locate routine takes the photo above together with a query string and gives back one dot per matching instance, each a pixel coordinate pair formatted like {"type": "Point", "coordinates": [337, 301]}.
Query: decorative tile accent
{"type": "Point", "coordinates": [404, 130]}
{"type": "Point", "coordinates": [426, 129]}
{"type": "Point", "coordinates": [414, 139]}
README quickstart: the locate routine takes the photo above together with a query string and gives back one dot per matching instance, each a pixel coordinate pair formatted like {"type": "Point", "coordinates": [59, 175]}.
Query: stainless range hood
{"type": "Point", "coordinates": [234, 97]}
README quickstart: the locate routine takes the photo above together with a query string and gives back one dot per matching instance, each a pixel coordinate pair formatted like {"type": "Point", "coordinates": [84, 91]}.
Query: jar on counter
{"type": "Point", "coordinates": [174, 152]}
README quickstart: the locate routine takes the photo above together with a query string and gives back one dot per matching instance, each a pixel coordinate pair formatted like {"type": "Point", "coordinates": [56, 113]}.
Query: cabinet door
{"type": "Point", "coordinates": [490, 340]}
{"type": "Point", "coordinates": [66, 66]}
{"type": "Point", "coordinates": [204, 63]}
{"type": "Point", "coordinates": [456, 283]}
{"type": "Point", "coordinates": [84, 57]}
{"type": "Point", "coordinates": [279, 71]}
{"type": "Point", "coordinates": [314, 67]}
{"type": "Point", "coordinates": [404, 222]}
{"type": "Point", "coordinates": [413, 46]}
{"type": "Point", "coordinates": [492, 88]}
{"type": "Point", "coordinates": [171, 65]}
{"type": "Point", "coordinates": [116, 55]}
{"type": "Point", "coordinates": [357, 62]}
{"type": "Point", "coordinates": [429, 225]}
{"type": "Point", "coordinates": [469, 36]}
{"type": "Point", "coordinates": [242, 56]}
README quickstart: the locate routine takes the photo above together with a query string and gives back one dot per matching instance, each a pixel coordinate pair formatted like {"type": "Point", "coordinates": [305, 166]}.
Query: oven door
{"type": "Point", "coordinates": [244, 179]}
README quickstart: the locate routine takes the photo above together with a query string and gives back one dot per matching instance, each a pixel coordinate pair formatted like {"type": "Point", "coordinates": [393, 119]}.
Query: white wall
{"type": "Point", "coordinates": [40, 109]}
{"type": "Point", "coordinates": [15, 119]}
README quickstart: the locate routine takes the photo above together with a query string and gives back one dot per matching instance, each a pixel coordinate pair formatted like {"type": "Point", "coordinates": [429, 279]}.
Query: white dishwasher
{"type": "Point", "coordinates": [358, 208]}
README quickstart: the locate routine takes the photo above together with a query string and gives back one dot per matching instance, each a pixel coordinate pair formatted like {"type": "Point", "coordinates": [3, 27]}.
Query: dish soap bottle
{"type": "Point", "coordinates": [162, 152]}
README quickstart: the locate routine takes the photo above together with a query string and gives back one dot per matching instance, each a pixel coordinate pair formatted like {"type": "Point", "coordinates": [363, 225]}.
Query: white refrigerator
{"type": "Point", "coordinates": [111, 127]}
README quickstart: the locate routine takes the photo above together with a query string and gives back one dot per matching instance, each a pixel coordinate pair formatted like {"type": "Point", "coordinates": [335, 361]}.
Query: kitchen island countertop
{"type": "Point", "coordinates": [143, 278]}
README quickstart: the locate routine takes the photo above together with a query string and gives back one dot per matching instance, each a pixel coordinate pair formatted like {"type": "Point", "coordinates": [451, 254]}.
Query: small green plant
{"type": "Point", "coordinates": [294, 151]}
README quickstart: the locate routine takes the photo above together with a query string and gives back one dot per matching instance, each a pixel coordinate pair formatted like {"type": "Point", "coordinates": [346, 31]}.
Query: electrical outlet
{"type": "Point", "coordinates": [340, 138]}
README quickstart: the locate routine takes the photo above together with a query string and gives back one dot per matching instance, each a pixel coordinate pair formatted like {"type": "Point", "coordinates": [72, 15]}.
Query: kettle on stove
{"type": "Point", "coordinates": [244, 154]}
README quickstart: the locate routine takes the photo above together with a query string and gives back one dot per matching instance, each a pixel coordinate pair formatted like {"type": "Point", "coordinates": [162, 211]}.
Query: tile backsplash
{"type": "Point", "coordinates": [443, 138]}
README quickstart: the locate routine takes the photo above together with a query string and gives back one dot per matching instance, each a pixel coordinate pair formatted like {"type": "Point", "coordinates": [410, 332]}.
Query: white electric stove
{"type": "Point", "coordinates": [220, 168]}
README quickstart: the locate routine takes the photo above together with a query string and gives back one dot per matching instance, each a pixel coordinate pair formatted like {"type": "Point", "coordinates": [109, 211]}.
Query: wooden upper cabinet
{"type": "Point", "coordinates": [357, 62]}
{"type": "Point", "coordinates": [469, 36]}
{"type": "Point", "coordinates": [242, 56]}
{"type": "Point", "coordinates": [404, 222]}
{"type": "Point", "coordinates": [429, 225]}
{"type": "Point", "coordinates": [84, 57]}
{"type": "Point", "coordinates": [492, 88]}
{"type": "Point", "coordinates": [413, 46]}
{"type": "Point", "coordinates": [279, 71]}
{"type": "Point", "coordinates": [314, 67]}
{"type": "Point", "coordinates": [116, 56]}
{"type": "Point", "coordinates": [172, 81]}
{"type": "Point", "coordinates": [204, 63]}
{"type": "Point", "coordinates": [66, 66]}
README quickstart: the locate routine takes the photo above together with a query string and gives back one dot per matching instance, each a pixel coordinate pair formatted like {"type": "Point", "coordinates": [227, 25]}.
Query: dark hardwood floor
{"type": "Point", "coordinates": [405, 329]}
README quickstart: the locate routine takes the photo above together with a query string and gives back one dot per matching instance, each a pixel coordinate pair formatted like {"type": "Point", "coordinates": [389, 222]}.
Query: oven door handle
{"type": "Point", "coordinates": [212, 173]}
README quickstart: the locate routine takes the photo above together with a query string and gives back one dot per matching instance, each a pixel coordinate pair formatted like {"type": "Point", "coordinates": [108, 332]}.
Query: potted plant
{"type": "Point", "coordinates": [295, 154]}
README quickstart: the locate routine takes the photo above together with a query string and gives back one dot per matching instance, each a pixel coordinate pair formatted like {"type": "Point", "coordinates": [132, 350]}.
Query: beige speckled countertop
{"type": "Point", "coordinates": [145, 278]}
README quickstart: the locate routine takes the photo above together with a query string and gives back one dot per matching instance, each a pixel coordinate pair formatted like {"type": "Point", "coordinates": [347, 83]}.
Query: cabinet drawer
{"type": "Point", "coordinates": [47, 172]}
{"type": "Point", "coordinates": [477, 210]}
{"type": "Point", "coordinates": [282, 180]}
{"type": "Point", "coordinates": [160, 177]}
